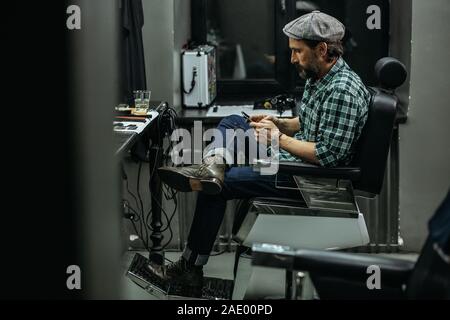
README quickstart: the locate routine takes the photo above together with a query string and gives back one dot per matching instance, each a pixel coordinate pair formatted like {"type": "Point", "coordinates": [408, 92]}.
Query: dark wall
{"type": "Point", "coordinates": [59, 205]}
{"type": "Point", "coordinates": [38, 240]}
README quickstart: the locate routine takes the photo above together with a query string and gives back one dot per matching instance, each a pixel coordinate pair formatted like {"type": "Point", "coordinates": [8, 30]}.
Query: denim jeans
{"type": "Point", "coordinates": [239, 183]}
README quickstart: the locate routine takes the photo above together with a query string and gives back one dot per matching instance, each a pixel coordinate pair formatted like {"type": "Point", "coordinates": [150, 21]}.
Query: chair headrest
{"type": "Point", "coordinates": [390, 73]}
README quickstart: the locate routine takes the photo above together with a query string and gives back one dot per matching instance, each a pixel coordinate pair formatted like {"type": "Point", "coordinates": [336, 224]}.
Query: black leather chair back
{"type": "Point", "coordinates": [373, 145]}
{"type": "Point", "coordinates": [431, 276]}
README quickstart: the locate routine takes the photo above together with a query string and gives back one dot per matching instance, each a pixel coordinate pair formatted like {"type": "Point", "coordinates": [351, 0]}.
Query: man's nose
{"type": "Point", "coordinates": [293, 58]}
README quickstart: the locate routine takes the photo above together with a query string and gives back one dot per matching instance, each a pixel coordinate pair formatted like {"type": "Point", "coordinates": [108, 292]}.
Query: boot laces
{"type": "Point", "coordinates": [203, 169]}
{"type": "Point", "coordinates": [177, 266]}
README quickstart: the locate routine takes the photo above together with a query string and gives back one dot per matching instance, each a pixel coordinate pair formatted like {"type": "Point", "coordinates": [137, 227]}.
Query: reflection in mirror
{"type": "Point", "coordinates": [243, 31]}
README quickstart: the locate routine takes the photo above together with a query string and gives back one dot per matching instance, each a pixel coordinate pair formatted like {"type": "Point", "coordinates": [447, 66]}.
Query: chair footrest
{"type": "Point", "coordinates": [306, 169]}
{"type": "Point", "coordinates": [281, 201]}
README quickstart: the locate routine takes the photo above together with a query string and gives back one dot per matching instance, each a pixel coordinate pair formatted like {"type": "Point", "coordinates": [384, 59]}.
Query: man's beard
{"type": "Point", "coordinates": [310, 72]}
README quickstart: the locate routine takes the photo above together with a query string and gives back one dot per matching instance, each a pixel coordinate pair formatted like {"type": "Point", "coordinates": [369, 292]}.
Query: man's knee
{"type": "Point", "coordinates": [236, 179]}
{"type": "Point", "coordinates": [231, 121]}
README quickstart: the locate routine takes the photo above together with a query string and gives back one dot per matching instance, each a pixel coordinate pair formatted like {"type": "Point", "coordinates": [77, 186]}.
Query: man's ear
{"type": "Point", "coordinates": [322, 50]}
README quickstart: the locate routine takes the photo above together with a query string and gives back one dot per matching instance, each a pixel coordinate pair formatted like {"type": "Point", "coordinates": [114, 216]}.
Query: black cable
{"type": "Point", "coordinates": [162, 210]}
{"type": "Point", "coordinates": [168, 260]}
{"type": "Point", "coordinates": [139, 218]}
{"type": "Point", "coordinates": [166, 122]}
{"type": "Point", "coordinates": [139, 234]}
{"type": "Point", "coordinates": [136, 215]}
{"type": "Point", "coordinates": [169, 221]}
{"type": "Point", "coordinates": [139, 215]}
{"type": "Point", "coordinates": [194, 76]}
{"type": "Point", "coordinates": [219, 253]}
{"type": "Point", "coordinates": [135, 230]}
{"type": "Point", "coordinates": [128, 188]}
{"type": "Point", "coordinates": [169, 193]}
{"type": "Point", "coordinates": [147, 222]}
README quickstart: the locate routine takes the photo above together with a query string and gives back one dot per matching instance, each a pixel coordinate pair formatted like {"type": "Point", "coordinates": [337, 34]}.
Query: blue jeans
{"type": "Point", "coordinates": [239, 183]}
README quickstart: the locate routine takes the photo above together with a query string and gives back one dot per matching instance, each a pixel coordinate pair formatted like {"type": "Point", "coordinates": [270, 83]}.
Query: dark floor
{"type": "Point", "coordinates": [266, 283]}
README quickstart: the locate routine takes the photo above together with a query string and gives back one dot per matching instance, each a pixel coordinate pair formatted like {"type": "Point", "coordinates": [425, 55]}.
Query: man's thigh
{"type": "Point", "coordinates": [243, 182]}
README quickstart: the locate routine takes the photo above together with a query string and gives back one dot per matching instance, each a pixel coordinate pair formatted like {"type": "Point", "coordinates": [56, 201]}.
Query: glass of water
{"type": "Point", "coordinates": [142, 100]}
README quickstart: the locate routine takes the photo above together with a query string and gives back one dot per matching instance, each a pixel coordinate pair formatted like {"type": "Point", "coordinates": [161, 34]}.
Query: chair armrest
{"type": "Point", "coordinates": [306, 169]}
{"type": "Point", "coordinates": [348, 266]}
{"type": "Point", "coordinates": [353, 266]}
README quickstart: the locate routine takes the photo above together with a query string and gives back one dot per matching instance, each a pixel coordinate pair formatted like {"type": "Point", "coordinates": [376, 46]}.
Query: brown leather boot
{"type": "Point", "coordinates": [205, 177]}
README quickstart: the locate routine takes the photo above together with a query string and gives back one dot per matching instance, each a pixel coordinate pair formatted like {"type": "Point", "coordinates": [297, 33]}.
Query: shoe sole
{"type": "Point", "coordinates": [179, 286]}
{"type": "Point", "coordinates": [183, 289]}
{"type": "Point", "coordinates": [180, 182]}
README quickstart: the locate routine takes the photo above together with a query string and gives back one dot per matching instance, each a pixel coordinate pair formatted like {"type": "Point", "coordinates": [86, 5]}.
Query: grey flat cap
{"type": "Point", "coordinates": [315, 26]}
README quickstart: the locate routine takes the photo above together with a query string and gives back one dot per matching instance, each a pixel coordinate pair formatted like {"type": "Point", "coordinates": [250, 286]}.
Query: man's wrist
{"type": "Point", "coordinates": [282, 137]}
{"type": "Point", "coordinates": [279, 123]}
{"type": "Point", "coordinates": [276, 121]}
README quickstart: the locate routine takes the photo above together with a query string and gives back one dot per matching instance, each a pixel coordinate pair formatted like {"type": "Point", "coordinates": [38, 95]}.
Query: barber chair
{"type": "Point", "coordinates": [325, 215]}
{"type": "Point", "coordinates": [340, 275]}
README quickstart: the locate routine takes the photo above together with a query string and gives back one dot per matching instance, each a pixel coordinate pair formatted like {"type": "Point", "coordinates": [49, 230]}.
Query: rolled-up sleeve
{"type": "Point", "coordinates": [338, 127]}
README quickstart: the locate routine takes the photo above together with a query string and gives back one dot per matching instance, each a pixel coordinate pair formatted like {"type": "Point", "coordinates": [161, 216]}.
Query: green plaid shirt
{"type": "Point", "coordinates": [332, 114]}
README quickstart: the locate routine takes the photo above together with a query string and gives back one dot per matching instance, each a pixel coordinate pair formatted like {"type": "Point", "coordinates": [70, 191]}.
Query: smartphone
{"type": "Point", "coordinates": [246, 116]}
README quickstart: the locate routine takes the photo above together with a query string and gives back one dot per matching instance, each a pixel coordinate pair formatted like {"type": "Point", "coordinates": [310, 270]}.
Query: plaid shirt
{"type": "Point", "coordinates": [332, 113]}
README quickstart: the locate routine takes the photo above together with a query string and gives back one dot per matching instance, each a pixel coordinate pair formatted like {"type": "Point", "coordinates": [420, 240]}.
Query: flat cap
{"type": "Point", "coordinates": [315, 26]}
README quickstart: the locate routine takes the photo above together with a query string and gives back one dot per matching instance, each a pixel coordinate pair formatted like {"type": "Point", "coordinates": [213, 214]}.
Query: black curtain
{"type": "Point", "coordinates": [133, 49]}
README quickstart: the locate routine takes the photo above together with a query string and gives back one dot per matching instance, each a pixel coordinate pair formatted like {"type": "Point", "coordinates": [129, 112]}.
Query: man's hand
{"type": "Point", "coordinates": [287, 126]}
{"type": "Point", "coordinates": [265, 130]}
{"type": "Point", "coordinates": [260, 117]}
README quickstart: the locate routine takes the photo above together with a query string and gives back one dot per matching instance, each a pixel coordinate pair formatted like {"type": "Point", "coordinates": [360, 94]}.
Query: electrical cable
{"type": "Point", "coordinates": [169, 221]}
{"type": "Point", "coordinates": [128, 189]}
{"type": "Point", "coordinates": [219, 253]}
{"type": "Point", "coordinates": [136, 214]}
{"type": "Point", "coordinates": [193, 82]}
{"type": "Point", "coordinates": [133, 222]}
{"type": "Point", "coordinates": [166, 124]}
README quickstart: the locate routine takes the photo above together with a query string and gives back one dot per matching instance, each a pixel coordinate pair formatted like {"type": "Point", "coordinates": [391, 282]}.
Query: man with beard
{"type": "Point", "coordinates": [332, 114]}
